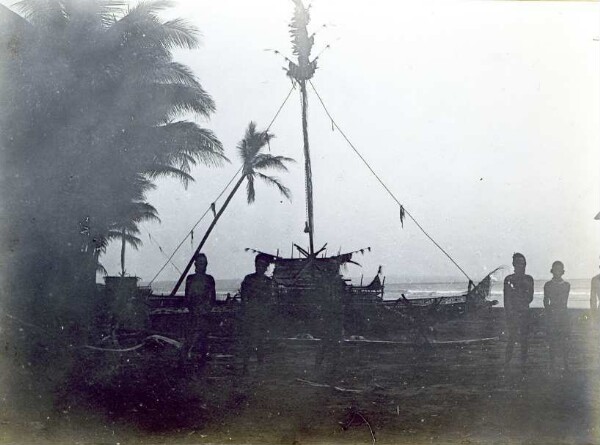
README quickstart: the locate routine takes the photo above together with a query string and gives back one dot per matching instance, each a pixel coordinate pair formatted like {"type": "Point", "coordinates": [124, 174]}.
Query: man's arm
{"type": "Point", "coordinates": [506, 293]}
{"type": "Point", "coordinates": [244, 290]}
{"type": "Point", "coordinates": [546, 297]}
{"type": "Point", "coordinates": [188, 287]}
{"type": "Point", "coordinates": [529, 289]}
{"type": "Point", "coordinates": [189, 299]}
{"type": "Point", "coordinates": [212, 291]}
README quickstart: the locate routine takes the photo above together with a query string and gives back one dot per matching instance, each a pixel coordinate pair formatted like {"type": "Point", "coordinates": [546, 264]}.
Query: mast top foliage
{"type": "Point", "coordinates": [302, 44]}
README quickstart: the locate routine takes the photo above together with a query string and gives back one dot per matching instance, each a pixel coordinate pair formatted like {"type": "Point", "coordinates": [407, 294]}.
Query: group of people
{"type": "Point", "coordinates": [200, 296]}
{"type": "Point", "coordinates": [257, 292]}
{"type": "Point", "coordinates": [518, 295]}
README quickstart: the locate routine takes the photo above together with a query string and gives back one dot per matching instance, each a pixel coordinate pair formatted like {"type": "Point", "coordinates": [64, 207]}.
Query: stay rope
{"type": "Point", "coordinates": [191, 231]}
{"type": "Point", "coordinates": [157, 244]}
{"type": "Point", "coordinates": [403, 209]}
{"type": "Point", "coordinates": [193, 227]}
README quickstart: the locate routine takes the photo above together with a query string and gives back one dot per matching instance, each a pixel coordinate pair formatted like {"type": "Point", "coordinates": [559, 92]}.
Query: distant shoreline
{"type": "Point", "coordinates": [579, 296]}
{"type": "Point", "coordinates": [355, 280]}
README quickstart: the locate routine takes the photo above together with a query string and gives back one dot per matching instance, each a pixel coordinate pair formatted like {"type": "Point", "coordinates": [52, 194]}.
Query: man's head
{"type": "Point", "coordinates": [261, 263]}
{"type": "Point", "coordinates": [519, 263]}
{"type": "Point", "coordinates": [200, 262]}
{"type": "Point", "coordinates": [558, 269]}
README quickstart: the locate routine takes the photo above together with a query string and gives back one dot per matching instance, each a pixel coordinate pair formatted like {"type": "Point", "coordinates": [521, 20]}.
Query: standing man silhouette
{"type": "Point", "coordinates": [200, 296]}
{"type": "Point", "coordinates": [518, 294]}
{"type": "Point", "coordinates": [556, 296]}
{"type": "Point", "coordinates": [257, 295]}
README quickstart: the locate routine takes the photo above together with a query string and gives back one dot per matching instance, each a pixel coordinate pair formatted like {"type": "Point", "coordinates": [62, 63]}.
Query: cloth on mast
{"type": "Point", "coordinates": [402, 215]}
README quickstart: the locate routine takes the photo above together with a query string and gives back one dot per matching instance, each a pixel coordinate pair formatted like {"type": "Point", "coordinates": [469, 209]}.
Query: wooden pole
{"type": "Point", "coordinates": [307, 168]}
{"type": "Point", "coordinates": [205, 237]}
{"type": "Point", "coordinates": [123, 252]}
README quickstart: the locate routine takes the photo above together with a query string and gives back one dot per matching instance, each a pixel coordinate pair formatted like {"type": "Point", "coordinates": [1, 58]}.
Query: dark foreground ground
{"type": "Point", "coordinates": [383, 393]}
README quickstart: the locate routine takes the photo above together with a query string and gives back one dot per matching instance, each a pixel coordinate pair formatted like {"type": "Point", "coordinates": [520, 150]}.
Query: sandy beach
{"type": "Point", "coordinates": [450, 392]}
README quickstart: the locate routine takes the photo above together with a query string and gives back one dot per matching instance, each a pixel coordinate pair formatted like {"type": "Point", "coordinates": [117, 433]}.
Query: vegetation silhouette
{"type": "Point", "coordinates": [249, 150]}
{"type": "Point", "coordinates": [95, 109]}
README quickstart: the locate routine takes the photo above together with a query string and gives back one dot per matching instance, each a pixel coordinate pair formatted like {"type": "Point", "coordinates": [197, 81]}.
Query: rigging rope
{"type": "Point", "coordinates": [194, 226]}
{"type": "Point", "coordinates": [163, 252]}
{"type": "Point", "coordinates": [281, 106]}
{"type": "Point", "coordinates": [334, 123]}
{"type": "Point", "coordinates": [211, 206]}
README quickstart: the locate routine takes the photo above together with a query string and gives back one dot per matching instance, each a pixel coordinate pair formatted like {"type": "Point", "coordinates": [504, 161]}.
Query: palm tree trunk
{"type": "Point", "coordinates": [123, 253]}
{"type": "Point", "coordinates": [205, 237]}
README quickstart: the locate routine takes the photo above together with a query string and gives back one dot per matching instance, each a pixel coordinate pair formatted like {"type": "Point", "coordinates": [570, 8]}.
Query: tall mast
{"type": "Point", "coordinates": [307, 170]}
{"type": "Point", "coordinates": [301, 73]}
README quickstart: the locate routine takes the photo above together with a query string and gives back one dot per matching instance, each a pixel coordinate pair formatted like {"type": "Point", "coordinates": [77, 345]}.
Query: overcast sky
{"type": "Point", "coordinates": [481, 116]}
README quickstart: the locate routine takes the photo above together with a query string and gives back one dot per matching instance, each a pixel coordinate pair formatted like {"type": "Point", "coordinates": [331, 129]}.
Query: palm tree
{"type": "Point", "coordinates": [94, 110]}
{"type": "Point", "coordinates": [252, 161]}
{"type": "Point", "coordinates": [127, 230]}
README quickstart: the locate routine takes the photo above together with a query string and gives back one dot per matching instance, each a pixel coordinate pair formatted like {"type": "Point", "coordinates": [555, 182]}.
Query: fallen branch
{"type": "Point", "coordinates": [368, 424]}
{"type": "Point", "coordinates": [155, 338]}
{"type": "Point", "coordinates": [352, 414]}
{"type": "Point", "coordinates": [96, 348]}
{"type": "Point", "coordinates": [324, 385]}
{"type": "Point", "coordinates": [393, 342]}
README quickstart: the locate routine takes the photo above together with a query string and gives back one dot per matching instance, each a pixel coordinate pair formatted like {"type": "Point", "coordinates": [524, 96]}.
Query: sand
{"type": "Point", "coordinates": [383, 393]}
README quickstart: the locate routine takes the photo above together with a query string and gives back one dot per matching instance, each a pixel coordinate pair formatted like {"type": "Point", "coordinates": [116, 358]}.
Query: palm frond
{"type": "Point", "coordinates": [131, 189]}
{"type": "Point", "coordinates": [159, 103]}
{"type": "Point", "coordinates": [109, 10]}
{"type": "Point", "coordinates": [98, 242]}
{"type": "Point", "coordinates": [158, 170]}
{"type": "Point", "coordinates": [143, 184]}
{"type": "Point", "coordinates": [130, 239]}
{"type": "Point", "coordinates": [273, 181]}
{"type": "Point", "coordinates": [243, 148]}
{"type": "Point", "coordinates": [263, 161]}
{"type": "Point", "coordinates": [183, 98]}
{"type": "Point", "coordinates": [101, 12]}
{"type": "Point", "coordinates": [133, 241]}
{"type": "Point", "coordinates": [142, 21]}
{"type": "Point", "coordinates": [179, 33]}
{"type": "Point", "coordinates": [42, 11]}
{"type": "Point", "coordinates": [170, 72]}
{"type": "Point", "coordinates": [142, 211]}
{"type": "Point", "coordinates": [188, 138]}
{"type": "Point", "coordinates": [101, 269]}
{"type": "Point", "coordinates": [181, 160]}
{"type": "Point", "coordinates": [252, 143]}
{"type": "Point", "coordinates": [118, 227]}
{"type": "Point", "coordinates": [150, 7]}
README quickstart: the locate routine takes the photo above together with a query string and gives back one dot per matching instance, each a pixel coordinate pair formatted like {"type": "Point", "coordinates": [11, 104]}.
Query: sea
{"type": "Point", "coordinates": [579, 298]}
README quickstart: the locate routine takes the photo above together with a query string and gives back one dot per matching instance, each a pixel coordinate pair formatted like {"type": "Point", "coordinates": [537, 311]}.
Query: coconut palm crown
{"type": "Point", "coordinates": [249, 149]}
{"type": "Point", "coordinates": [253, 160]}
